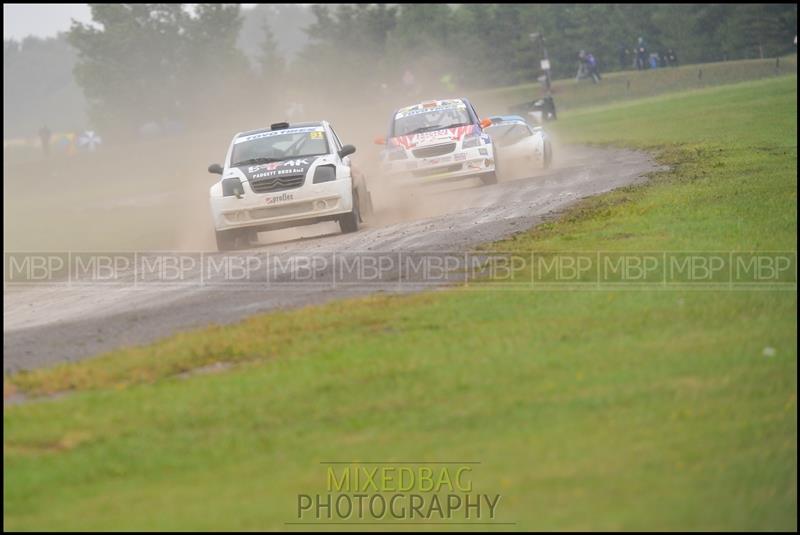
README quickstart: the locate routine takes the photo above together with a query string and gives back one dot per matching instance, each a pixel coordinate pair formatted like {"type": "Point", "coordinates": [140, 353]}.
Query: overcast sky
{"type": "Point", "coordinates": [44, 20]}
{"type": "Point", "coordinates": [41, 20]}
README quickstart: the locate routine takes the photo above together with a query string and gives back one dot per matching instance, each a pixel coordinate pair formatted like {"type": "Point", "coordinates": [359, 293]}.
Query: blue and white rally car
{"type": "Point", "coordinates": [285, 176]}
{"type": "Point", "coordinates": [438, 140]}
{"type": "Point", "coordinates": [519, 143]}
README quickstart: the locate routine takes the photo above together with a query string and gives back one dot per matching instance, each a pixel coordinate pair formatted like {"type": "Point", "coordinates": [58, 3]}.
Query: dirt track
{"type": "Point", "coordinates": [46, 325]}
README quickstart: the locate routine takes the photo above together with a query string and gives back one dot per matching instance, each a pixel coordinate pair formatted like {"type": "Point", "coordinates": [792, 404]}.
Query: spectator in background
{"type": "Point", "coordinates": [587, 67]}
{"type": "Point", "coordinates": [44, 138]}
{"type": "Point", "coordinates": [66, 142]}
{"type": "Point", "coordinates": [623, 56]}
{"type": "Point", "coordinates": [641, 54]}
{"type": "Point", "coordinates": [447, 82]}
{"type": "Point", "coordinates": [672, 58]}
{"type": "Point", "coordinates": [582, 70]}
{"type": "Point", "coordinates": [592, 68]}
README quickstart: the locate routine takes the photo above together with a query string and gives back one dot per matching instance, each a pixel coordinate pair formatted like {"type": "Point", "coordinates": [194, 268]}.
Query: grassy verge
{"type": "Point", "coordinates": [631, 85]}
{"type": "Point", "coordinates": [603, 410]}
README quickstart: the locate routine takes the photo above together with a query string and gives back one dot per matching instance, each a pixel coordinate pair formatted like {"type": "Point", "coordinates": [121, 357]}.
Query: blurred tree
{"type": "Point", "coordinates": [759, 30]}
{"type": "Point", "coordinates": [286, 23]}
{"type": "Point", "coordinates": [140, 63]}
{"type": "Point", "coordinates": [270, 60]}
{"type": "Point", "coordinates": [471, 25]}
{"type": "Point", "coordinates": [346, 50]}
{"type": "Point", "coordinates": [214, 74]}
{"type": "Point", "coordinates": [129, 61]}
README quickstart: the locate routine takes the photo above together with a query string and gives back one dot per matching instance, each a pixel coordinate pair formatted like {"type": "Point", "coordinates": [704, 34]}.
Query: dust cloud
{"type": "Point", "coordinates": [144, 194]}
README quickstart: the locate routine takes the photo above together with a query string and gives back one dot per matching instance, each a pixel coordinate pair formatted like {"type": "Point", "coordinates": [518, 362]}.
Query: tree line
{"type": "Point", "coordinates": [491, 44]}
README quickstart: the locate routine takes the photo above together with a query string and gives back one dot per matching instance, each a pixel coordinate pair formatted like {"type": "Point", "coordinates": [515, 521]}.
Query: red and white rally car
{"type": "Point", "coordinates": [438, 140]}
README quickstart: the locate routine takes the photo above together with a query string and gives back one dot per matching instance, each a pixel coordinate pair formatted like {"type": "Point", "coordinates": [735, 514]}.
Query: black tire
{"type": "Point", "coordinates": [349, 221]}
{"type": "Point", "coordinates": [547, 157]}
{"type": "Point", "coordinates": [369, 208]}
{"type": "Point", "coordinates": [227, 240]}
{"type": "Point", "coordinates": [489, 178]}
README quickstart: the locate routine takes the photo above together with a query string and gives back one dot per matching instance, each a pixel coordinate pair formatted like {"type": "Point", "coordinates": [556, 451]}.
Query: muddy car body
{"type": "Point", "coordinates": [517, 142]}
{"type": "Point", "coordinates": [437, 140]}
{"type": "Point", "coordinates": [285, 176]}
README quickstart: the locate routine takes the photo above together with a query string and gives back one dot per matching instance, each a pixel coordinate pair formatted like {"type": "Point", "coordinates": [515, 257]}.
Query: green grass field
{"type": "Point", "coordinates": [629, 85]}
{"type": "Point", "coordinates": [586, 409]}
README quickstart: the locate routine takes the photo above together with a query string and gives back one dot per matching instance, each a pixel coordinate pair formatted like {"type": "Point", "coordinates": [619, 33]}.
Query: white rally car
{"type": "Point", "coordinates": [285, 176]}
{"type": "Point", "coordinates": [517, 142]}
{"type": "Point", "coordinates": [435, 141]}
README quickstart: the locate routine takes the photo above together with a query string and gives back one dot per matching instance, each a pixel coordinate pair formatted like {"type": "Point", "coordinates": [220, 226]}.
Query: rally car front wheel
{"type": "Point", "coordinates": [547, 157]}
{"type": "Point", "coordinates": [349, 221]}
{"type": "Point", "coordinates": [230, 240]}
{"type": "Point", "coordinates": [491, 178]}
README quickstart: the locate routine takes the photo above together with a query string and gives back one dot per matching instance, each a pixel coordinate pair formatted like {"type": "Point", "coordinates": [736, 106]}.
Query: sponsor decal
{"type": "Point", "coordinates": [283, 197]}
{"type": "Point", "coordinates": [295, 167]}
{"type": "Point", "coordinates": [426, 108]}
{"type": "Point", "coordinates": [435, 161]}
{"type": "Point", "coordinates": [430, 138]}
{"type": "Point", "coordinates": [288, 131]}
{"type": "Point", "coordinates": [274, 165]}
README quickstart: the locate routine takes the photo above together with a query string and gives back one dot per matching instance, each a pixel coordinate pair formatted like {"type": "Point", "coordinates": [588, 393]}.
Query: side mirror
{"type": "Point", "coordinates": [486, 123]}
{"type": "Point", "coordinates": [346, 150]}
{"type": "Point", "coordinates": [380, 140]}
{"type": "Point", "coordinates": [215, 169]}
